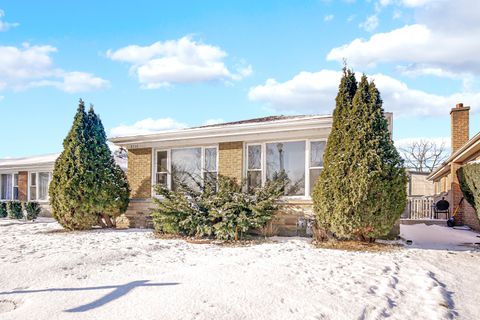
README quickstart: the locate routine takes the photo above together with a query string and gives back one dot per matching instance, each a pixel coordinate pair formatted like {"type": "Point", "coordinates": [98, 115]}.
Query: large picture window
{"type": "Point", "coordinates": [287, 158]}
{"type": "Point", "coordinates": [186, 167]}
{"type": "Point", "coordinates": [299, 161]}
{"type": "Point", "coordinates": [191, 166]}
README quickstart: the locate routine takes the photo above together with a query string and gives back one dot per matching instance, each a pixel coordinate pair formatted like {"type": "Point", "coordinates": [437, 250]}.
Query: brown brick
{"type": "Point", "coordinates": [230, 159]}
{"type": "Point", "coordinates": [460, 126]}
{"type": "Point", "coordinates": [140, 172]}
{"type": "Point", "coordinates": [23, 185]}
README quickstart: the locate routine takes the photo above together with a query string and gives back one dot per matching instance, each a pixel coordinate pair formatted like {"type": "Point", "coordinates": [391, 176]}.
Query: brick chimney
{"type": "Point", "coordinates": [460, 121]}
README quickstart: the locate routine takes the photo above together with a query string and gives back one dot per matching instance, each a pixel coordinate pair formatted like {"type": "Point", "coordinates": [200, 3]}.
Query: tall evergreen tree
{"type": "Point", "coordinates": [361, 190]}
{"type": "Point", "coordinates": [87, 186]}
{"type": "Point", "coordinates": [71, 193]}
{"type": "Point", "coordinates": [111, 187]}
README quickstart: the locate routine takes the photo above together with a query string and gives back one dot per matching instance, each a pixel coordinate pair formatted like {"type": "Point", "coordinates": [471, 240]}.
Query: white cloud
{"type": "Point", "coordinates": [73, 82]}
{"type": "Point", "coordinates": [4, 26]}
{"type": "Point", "coordinates": [176, 61]}
{"type": "Point", "coordinates": [328, 18]}
{"type": "Point", "coordinates": [370, 24]}
{"type": "Point", "coordinates": [315, 92]}
{"type": "Point", "coordinates": [147, 126]}
{"type": "Point", "coordinates": [32, 66]}
{"type": "Point", "coordinates": [444, 36]}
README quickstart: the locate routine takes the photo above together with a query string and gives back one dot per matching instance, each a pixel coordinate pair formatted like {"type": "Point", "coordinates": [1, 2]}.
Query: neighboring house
{"type": "Point", "coordinates": [420, 193]}
{"type": "Point", "coordinates": [418, 185]}
{"type": "Point", "coordinates": [27, 179]}
{"type": "Point", "coordinates": [464, 150]}
{"type": "Point", "coordinates": [253, 150]}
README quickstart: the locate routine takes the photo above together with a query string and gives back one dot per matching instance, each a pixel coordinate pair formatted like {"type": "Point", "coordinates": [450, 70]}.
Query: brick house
{"type": "Point", "coordinates": [253, 150]}
{"type": "Point", "coordinates": [464, 150]}
{"type": "Point", "coordinates": [27, 179]}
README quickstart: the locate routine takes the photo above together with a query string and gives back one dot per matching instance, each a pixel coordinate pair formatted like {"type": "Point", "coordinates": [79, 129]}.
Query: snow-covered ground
{"type": "Point", "coordinates": [131, 275]}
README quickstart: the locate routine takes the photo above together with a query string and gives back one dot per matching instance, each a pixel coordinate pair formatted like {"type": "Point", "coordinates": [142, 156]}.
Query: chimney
{"type": "Point", "coordinates": [460, 121]}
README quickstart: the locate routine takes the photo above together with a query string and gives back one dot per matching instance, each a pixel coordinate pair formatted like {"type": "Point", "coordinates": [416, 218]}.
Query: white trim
{"type": "Point", "coordinates": [299, 128]}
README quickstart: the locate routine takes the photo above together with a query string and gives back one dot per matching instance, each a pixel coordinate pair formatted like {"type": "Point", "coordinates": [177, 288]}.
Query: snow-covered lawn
{"type": "Point", "coordinates": [131, 275]}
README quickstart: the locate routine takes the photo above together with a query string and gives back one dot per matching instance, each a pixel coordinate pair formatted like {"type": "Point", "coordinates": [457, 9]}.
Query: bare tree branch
{"type": "Point", "coordinates": [424, 155]}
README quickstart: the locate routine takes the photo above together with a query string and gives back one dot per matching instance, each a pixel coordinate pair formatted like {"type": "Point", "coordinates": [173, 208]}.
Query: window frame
{"type": "Point", "coordinates": [169, 163]}
{"type": "Point", "coordinates": [37, 174]}
{"type": "Point", "coordinates": [263, 144]}
{"type": "Point", "coordinates": [12, 174]}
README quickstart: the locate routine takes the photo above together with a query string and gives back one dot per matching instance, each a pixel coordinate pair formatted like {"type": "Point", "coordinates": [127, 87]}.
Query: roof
{"type": "Point", "coordinates": [463, 153]}
{"type": "Point", "coordinates": [29, 162]}
{"type": "Point", "coordinates": [41, 161]}
{"type": "Point", "coordinates": [257, 120]}
{"type": "Point", "coordinates": [244, 130]}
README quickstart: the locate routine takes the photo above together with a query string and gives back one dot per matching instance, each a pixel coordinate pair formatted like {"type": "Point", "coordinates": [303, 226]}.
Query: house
{"type": "Point", "coordinates": [27, 179]}
{"type": "Point", "coordinates": [464, 150]}
{"type": "Point", "coordinates": [418, 184]}
{"type": "Point", "coordinates": [254, 150]}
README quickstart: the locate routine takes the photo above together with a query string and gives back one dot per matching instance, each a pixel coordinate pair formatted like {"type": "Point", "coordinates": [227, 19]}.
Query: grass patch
{"type": "Point", "coordinates": [224, 243]}
{"type": "Point", "coordinates": [350, 245]}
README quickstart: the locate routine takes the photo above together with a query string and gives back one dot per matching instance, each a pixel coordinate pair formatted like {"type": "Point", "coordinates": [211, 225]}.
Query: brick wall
{"type": "Point", "coordinates": [23, 186]}
{"type": "Point", "coordinates": [230, 159]}
{"type": "Point", "coordinates": [140, 172]}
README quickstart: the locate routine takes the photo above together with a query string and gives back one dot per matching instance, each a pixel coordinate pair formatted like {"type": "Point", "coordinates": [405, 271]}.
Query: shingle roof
{"type": "Point", "coordinates": [257, 120]}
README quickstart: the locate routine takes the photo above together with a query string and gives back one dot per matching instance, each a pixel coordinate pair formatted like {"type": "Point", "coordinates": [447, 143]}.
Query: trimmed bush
{"type": "Point", "coordinates": [14, 210]}
{"type": "Point", "coordinates": [3, 210]}
{"type": "Point", "coordinates": [361, 190]}
{"type": "Point", "coordinates": [33, 209]}
{"type": "Point", "coordinates": [469, 178]}
{"type": "Point", "coordinates": [222, 212]}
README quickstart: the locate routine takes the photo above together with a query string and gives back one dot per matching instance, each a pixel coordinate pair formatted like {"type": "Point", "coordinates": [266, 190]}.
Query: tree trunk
{"type": "Point", "coordinates": [236, 233]}
{"type": "Point", "coordinates": [101, 223]}
{"type": "Point", "coordinates": [108, 221]}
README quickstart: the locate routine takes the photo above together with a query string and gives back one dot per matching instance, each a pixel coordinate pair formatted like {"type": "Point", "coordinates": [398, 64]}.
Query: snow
{"type": "Point", "coordinates": [46, 159]}
{"type": "Point", "coordinates": [128, 274]}
{"type": "Point", "coordinates": [439, 237]}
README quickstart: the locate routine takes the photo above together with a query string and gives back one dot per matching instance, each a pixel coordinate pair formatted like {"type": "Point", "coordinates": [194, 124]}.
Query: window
{"type": "Point", "coordinates": [33, 186]}
{"type": "Point", "coordinates": [317, 149]}
{"type": "Point", "coordinates": [190, 166]}
{"type": "Point", "coordinates": [6, 186]}
{"type": "Point", "coordinates": [287, 158]}
{"type": "Point", "coordinates": [38, 184]}
{"type": "Point", "coordinates": [43, 181]}
{"type": "Point", "coordinates": [15, 186]}
{"type": "Point", "coordinates": [162, 168]}
{"type": "Point", "coordinates": [254, 167]}
{"type": "Point", "coordinates": [299, 161]}
{"type": "Point", "coordinates": [210, 167]}
{"type": "Point", "coordinates": [186, 167]}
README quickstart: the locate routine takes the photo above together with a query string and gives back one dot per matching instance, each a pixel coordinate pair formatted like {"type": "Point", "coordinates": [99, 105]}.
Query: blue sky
{"type": "Point", "coordinates": [154, 65]}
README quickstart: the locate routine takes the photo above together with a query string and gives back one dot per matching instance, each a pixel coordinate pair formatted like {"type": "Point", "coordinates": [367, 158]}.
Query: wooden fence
{"type": "Point", "coordinates": [419, 208]}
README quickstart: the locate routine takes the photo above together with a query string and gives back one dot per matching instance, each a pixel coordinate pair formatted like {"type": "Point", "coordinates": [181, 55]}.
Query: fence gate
{"type": "Point", "coordinates": [419, 208]}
